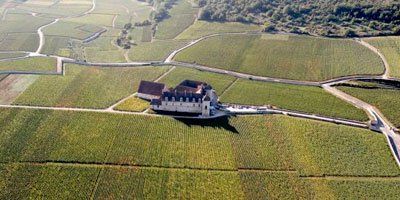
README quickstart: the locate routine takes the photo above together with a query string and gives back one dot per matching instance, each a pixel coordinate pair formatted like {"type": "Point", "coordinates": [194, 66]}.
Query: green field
{"type": "Point", "coordinates": [284, 56]}
{"type": "Point", "coordinates": [57, 10]}
{"type": "Point", "coordinates": [54, 45]}
{"type": "Point", "coordinates": [87, 87]}
{"type": "Point", "coordinates": [242, 157]}
{"type": "Point", "coordinates": [108, 56]}
{"type": "Point", "coordinates": [133, 104]}
{"type": "Point", "coordinates": [35, 64]}
{"type": "Point", "coordinates": [94, 19]}
{"type": "Point", "coordinates": [390, 48]}
{"type": "Point", "coordinates": [22, 23]}
{"type": "Point", "coordinates": [386, 100]}
{"type": "Point", "coordinates": [307, 99]}
{"type": "Point", "coordinates": [11, 55]}
{"type": "Point", "coordinates": [73, 30]}
{"type": "Point", "coordinates": [203, 28]}
{"type": "Point", "coordinates": [20, 42]}
{"type": "Point", "coordinates": [219, 82]}
{"type": "Point", "coordinates": [154, 51]}
{"type": "Point", "coordinates": [182, 15]}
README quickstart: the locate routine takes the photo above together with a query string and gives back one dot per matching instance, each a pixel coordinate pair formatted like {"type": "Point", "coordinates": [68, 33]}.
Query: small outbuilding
{"type": "Point", "coordinates": [150, 90]}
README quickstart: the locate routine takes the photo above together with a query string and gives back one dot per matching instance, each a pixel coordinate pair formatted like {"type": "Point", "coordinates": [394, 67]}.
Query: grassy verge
{"type": "Point", "coordinates": [284, 56]}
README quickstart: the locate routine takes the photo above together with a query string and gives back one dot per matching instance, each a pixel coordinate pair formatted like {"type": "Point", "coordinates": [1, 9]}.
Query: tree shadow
{"type": "Point", "coordinates": [221, 122]}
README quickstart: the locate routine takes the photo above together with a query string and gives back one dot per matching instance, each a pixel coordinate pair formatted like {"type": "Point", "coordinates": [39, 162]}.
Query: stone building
{"type": "Point", "coordinates": [192, 97]}
{"type": "Point", "coordinates": [150, 90]}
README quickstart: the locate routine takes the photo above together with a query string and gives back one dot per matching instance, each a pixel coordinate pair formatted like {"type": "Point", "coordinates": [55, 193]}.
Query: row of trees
{"type": "Point", "coordinates": [317, 17]}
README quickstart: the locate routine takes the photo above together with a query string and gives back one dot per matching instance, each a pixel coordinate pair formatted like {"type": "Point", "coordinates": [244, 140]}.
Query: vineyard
{"type": "Point", "coordinates": [133, 104]}
{"type": "Point", "coordinates": [36, 64]}
{"type": "Point", "coordinates": [390, 47]}
{"type": "Point", "coordinates": [307, 99]}
{"type": "Point", "coordinates": [87, 87]}
{"type": "Point", "coordinates": [182, 15]}
{"type": "Point", "coordinates": [386, 100]}
{"type": "Point", "coordinates": [203, 28]}
{"type": "Point", "coordinates": [284, 56]}
{"type": "Point", "coordinates": [178, 154]}
{"type": "Point", "coordinates": [154, 51]}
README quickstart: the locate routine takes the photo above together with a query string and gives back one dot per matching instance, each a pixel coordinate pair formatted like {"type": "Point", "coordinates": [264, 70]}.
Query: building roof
{"type": "Point", "coordinates": [151, 88]}
{"type": "Point", "coordinates": [183, 89]}
{"type": "Point", "coordinates": [192, 84]}
{"type": "Point", "coordinates": [192, 97]}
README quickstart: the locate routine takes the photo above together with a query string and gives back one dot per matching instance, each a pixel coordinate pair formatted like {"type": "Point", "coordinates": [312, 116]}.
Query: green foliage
{"type": "Point", "coordinates": [293, 97]}
{"type": "Point", "coordinates": [284, 56]}
{"type": "Point", "coordinates": [321, 17]}
{"type": "Point", "coordinates": [386, 100]}
{"type": "Point", "coordinates": [35, 64]}
{"type": "Point", "coordinates": [390, 48]}
{"type": "Point", "coordinates": [219, 82]}
{"type": "Point", "coordinates": [87, 87]}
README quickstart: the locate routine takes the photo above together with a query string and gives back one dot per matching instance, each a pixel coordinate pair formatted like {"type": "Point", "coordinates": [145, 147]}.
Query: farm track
{"type": "Point", "coordinates": [383, 58]}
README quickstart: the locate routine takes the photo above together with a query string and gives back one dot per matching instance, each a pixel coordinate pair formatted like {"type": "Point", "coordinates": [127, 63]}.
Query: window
{"type": "Point", "coordinates": [205, 107]}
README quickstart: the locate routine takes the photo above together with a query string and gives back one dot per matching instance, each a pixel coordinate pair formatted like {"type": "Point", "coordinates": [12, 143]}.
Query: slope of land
{"type": "Point", "coordinates": [386, 100]}
{"type": "Point", "coordinates": [315, 17]}
{"type": "Point", "coordinates": [87, 87]}
{"type": "Point", "coordinates": [390, 48]}
{"type": "Point", "coordinates": [307, 99]}
{"type": "Point", "coordinates": [173, 155]}
{"type": "Point", "coordinates": [284, 56]}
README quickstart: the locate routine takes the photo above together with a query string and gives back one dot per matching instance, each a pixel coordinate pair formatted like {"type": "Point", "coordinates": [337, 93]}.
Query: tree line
{"type": "Point", "coordinates": [334, 18]}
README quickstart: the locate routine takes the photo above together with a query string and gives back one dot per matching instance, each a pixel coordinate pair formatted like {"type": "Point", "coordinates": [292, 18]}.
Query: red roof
{"type": "Point", "coordinates": [151, 88]}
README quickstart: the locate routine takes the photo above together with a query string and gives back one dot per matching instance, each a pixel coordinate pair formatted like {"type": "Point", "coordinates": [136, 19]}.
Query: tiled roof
{"type": "Point", "coordinates": [151, 88]}
{"type": "Point", "coordinates": [191, 83]}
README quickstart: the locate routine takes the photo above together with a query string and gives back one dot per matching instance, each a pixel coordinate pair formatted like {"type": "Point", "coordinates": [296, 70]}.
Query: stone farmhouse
{"type": "Point", "coordinates": [191, 97]}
